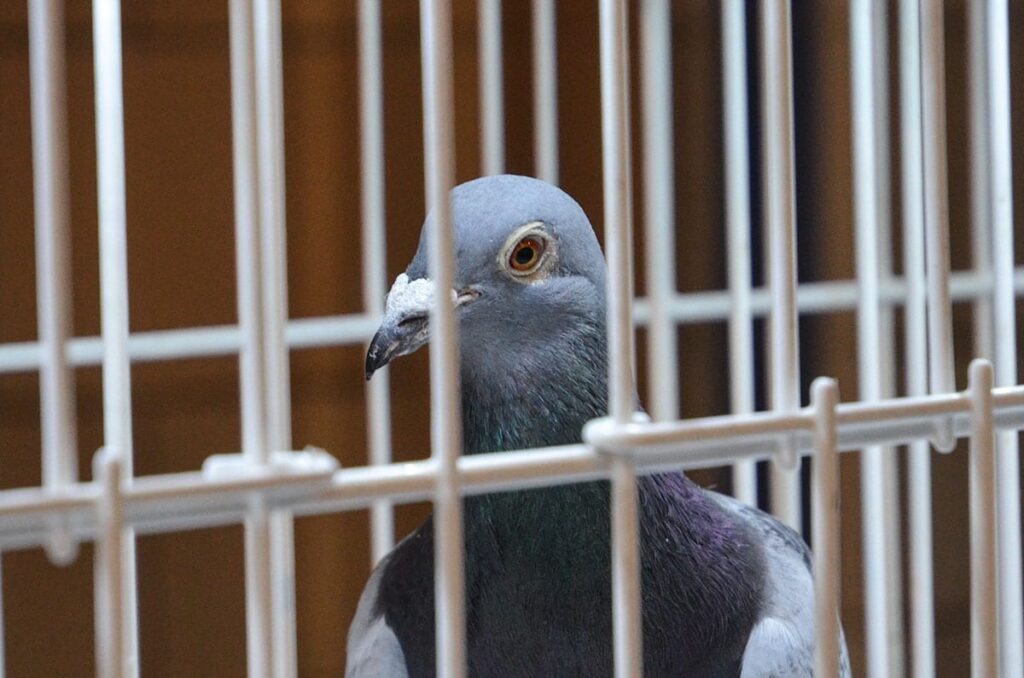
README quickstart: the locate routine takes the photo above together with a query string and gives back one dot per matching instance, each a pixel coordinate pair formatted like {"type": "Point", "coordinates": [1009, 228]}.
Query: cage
{"type": "Point", "coordinates": [195, 479]}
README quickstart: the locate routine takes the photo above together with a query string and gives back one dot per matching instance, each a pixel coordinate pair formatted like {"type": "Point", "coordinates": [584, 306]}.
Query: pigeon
{"type": "Point", "coordinates": [726, 590]}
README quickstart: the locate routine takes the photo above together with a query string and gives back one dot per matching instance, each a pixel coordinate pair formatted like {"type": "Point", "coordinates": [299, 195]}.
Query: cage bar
{"type": "Point", "coordinates": [446, 429]}
{"type": "Point", "coordinates": [615, 143]}
{"type": "Point", "coordinates": [737, 217]}
{"type": "Point", "coordinates": [891, 481]}
{"type": "Point", "coordinates": [982, 498]}
{"type": "Point", "coordinates": [269, 92]}
{"type": "Point", "coordinates": [192, 500]}
{"type": "Point", "coordinates": [981, 231]}
{"type": "Point", "coordinates": [878, 518]}
{"type": "Point", "coordinates": [117, 411]}
{"type": "Point", "coordinates": [53, 266]}
{"type": "Point", "coordinates": [659, 205]}
{"type": "Point", "coordinates": [778, 178]}
{"type": "Point", "coordinates": [371, 121]}
{"type": "Point", "coordinates": [260, 645]}
{"type": "Point", "coordinates": [813, 298]}
{"type": "Point", "coordinates": [492, 98]}
{"type": "Point", "coordinates": [936, 207]}
{"type": "Point", "coordinates": [545, 90]}
{"type": "Point", "coordinates": [1000, 175]}
{"type": "Point", "coordinates": [825, 519]}
{"type": "Point", "coordinates": [919, 487]}
{"type": "Point", "coordinates": [111, 659]}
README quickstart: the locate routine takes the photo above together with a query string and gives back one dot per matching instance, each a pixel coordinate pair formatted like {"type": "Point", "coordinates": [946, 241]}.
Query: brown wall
{"type": "Point", "coordinates": [181, 264]}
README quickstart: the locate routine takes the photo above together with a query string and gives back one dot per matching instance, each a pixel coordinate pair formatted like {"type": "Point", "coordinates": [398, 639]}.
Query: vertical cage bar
{"type": "Point", "coordinates": [659, 205]}
{"type": "Point", "coordinates": [887, 334]}
{"type": "Point", "coordinates": [919, 499]}
{"type": "Point", "coordinates": [259, 615]}
{"type": "Point", "coordinates": [982, 497]}
{"type": "Point", "coordinates": [371, 121]}
{"type": "Point", "coordinates": [878, 518]}
{"type": "Point", "coordinates": [545, 90]}
{"type": "Point", "coordinates": [981, 224]}
{"type": "Point", "coordinates": [825, 527]}
{"type": "Point", "coordinates": [936, 208]}
{"type": "Point", "coordinates": [117, 411]}
{"type": "Point", "coordinates": [492, 99]}
{"type": "Point", "coordinates": [270, 161]}
{"type": "Point", "coordinates": [53, 265]}
{"type": "Point", "coordinates": [618, 243]}
{"type": "Point", "coordinates": [780, 209]}
{"type": "Point", "coordinates": [269, 93]}
{"type": "Point", "coordinates": [111, 660]}
{"type": "Point", "coordinates": [1011, 616]}
{"type": "Point", "coordinates": [737, 216]}
{"type": "Point", "coordinates": [253, 388]}
{"type": "Point", "coordinates": [252, 354]}
{"type": "Point", "coordinates": [3, 643]}
{"type": "Point", "coordinates": [446, 430]}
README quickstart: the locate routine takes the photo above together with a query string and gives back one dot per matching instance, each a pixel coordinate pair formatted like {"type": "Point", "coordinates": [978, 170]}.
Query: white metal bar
{"type": "Point", "coordinates": [117, 411]}
{"type": "Point", "coordinates": [618, 244]}
{"type": "Point", "coordinates": [191, 500]}
{"type": "Point", "coordinates": [825, 518]}
{"type": "Point", "coordinates": [279, 541]}
{"type": "Point", "coordinates": [259, 615]}
{"type": "Point", "coordinates": [1011, 596]}
{"type": "Point", "coordinates": [53, 279]}
{"type": "Point", "coordinates": [492, 98]}
{"type": "Point", "coordinates": [835, 296]}
{"type": "Point", "coordinates": [737, 211]}
{"type": "Point", "coordinates": [251, 350]}
{"type": "Point", "coordinates": [890, 465]}
{"type": "Point", "coordinates": [659, 205]}
{"type": "Point", "coordinates": [919, 499]}
{"type": "Point", "coordinates": [270, 163]}
{"type": "Point", "coordinates": [260, 645]}
{"type": "Point", "coordinates": [982, 497]}
{"type": "Point", "coordinates": [446, 429]}
{"type": "Point", "coordinates": [545, 91]}
{"type": "Point", "coordinates": [981, 224]}
{"type": "Point", "coordinates": [780, 209]}
{"type": "Point", "coordinates": [3, 642]}
{"type": "Point", "coordinates": [877, 518]}
{"type": "Point", "coordinates": [936, 205]}
{"type": "Point", "coordinates": [111, 660]}
{"type": "Point", "coordinates": [371, 121]}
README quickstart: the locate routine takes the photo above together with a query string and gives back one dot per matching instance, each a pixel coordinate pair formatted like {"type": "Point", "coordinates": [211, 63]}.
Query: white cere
{"type": "Point", "coordinates": [411, 297]}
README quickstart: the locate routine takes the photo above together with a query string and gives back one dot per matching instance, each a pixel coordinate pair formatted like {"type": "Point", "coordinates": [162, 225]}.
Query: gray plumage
{"type": "Point", "coordinates": [726, 589]}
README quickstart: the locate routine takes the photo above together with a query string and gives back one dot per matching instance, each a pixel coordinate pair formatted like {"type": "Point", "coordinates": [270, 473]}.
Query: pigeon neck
{"type": "Point", "coordinates": [518, 399]}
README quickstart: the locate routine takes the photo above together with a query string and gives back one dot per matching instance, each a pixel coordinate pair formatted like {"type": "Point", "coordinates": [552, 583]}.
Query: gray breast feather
{"type": "Point", "coordinates": [373, 648]}
{"type": "Point", "coordinates": [781, 644]}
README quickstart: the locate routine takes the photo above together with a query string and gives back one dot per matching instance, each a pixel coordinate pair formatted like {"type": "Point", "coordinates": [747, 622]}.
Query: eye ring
{"type": "Point", "coordinates": [529, 254]}
{"type": "Point", "coordinates": [526, 255]}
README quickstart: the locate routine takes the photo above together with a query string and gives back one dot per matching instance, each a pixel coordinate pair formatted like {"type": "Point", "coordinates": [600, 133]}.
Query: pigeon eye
{"type": "Point", "coordinates": [526, 255]}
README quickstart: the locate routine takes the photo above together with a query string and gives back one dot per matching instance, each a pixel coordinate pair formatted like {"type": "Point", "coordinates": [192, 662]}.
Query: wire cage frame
{"type": "Point", "coordinates": [269, 483]}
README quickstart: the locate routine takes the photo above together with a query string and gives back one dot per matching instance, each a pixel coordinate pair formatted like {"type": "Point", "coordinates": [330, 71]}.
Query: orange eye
{"type": "Point", "coordinates": [526, 254]}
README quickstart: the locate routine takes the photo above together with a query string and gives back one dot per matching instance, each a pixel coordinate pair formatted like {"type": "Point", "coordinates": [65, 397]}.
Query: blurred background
{"type": "Point", "coordinates": [182, 273]}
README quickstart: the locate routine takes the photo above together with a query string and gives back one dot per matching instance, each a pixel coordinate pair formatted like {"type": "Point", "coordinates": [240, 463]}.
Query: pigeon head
{"type": "Point", "coordinates": [529, 278]}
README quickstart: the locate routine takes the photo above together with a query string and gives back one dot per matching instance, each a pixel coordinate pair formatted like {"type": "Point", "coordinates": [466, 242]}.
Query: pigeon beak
{"type": "Point", "coordinates": [406, 324]}
{"type": "Point", "coordinates": [396, 337]}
